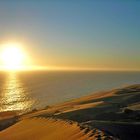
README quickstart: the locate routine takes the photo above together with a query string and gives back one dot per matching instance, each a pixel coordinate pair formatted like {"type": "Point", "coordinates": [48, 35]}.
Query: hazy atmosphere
{"type": "Point", "coordinates": [71, 35]}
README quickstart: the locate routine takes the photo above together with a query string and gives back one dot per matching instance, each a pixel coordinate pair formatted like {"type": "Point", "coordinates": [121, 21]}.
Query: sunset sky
{"type": "Point", "coordinates": [74, 34]}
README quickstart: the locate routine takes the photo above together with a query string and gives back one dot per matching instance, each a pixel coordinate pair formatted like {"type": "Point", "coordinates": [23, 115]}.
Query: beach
{"type": "Point", "coordinates": [25, 91]}
{"type": "Point", "coordinates": [113, 114]}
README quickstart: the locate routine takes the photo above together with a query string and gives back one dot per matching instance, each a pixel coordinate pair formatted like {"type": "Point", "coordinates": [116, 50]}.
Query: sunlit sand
{"type": "Point", "coordinates": [78, 119]}
{"type": "Point", "coordinates": [44, 129]}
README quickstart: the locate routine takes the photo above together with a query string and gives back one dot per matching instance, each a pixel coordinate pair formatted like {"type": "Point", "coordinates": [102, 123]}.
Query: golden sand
{"type": "Point", "coordinates": [44, 129]}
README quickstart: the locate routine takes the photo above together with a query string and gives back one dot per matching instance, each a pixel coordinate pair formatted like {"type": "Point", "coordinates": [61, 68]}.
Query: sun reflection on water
{"type": "Point", "coordinates": [14, 95]}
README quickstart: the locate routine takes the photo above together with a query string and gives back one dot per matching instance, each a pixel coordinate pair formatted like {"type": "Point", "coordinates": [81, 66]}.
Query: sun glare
{"type": "Point", "coordinates": [12, 57]}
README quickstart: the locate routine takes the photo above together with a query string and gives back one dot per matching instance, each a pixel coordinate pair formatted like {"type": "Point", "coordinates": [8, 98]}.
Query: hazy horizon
{"type": "Point", "coordinates": [73, 35]}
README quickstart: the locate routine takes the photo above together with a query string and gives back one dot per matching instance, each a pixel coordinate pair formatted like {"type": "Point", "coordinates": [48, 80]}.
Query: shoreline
{"type": "Point", "coordinates": [114, 113]}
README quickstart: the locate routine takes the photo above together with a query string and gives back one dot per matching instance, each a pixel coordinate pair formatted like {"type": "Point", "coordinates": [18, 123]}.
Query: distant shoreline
{"type": "Point", "coordinates": [109, 112]}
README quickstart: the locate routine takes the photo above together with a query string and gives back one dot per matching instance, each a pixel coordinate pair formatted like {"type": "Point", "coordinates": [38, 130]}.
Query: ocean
{"type": "Point", "coordinates": [25, 91]}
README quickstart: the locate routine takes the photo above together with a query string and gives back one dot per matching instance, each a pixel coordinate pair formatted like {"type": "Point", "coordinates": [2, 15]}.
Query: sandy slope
{"type": "Point", "coordinates": [107, 111]}
{"type": "Point", "coordinates": [73, 105]}
{"type": "Point", "coordinates": [44, 129]}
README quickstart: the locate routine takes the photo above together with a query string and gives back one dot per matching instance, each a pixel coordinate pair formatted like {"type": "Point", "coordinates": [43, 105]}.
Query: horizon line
{"type": "Point", "coordinates": [47, 68]}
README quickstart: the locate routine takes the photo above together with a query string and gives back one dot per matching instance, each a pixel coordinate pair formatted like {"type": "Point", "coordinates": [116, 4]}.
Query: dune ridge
{"type": "Point", "coordinates": [45, 129]}
{"type": "Point", "coordinates": [110, 115]}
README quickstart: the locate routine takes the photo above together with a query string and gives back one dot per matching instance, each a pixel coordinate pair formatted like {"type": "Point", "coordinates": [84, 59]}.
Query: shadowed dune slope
{"type": "Point", "coordinates": [107, 105]}
{"type": "Point", "coordinates": [113, 114]}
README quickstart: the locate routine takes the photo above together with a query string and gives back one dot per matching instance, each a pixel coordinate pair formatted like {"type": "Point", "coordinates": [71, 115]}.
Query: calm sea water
{"type": "Point", "coordinates": [28, 90]}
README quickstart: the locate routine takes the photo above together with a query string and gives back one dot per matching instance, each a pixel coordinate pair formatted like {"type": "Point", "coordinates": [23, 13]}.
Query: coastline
{"type": "Point", "coordinates": [114, 114]}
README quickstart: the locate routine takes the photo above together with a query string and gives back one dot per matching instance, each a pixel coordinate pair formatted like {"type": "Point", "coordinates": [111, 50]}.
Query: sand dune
{"type": "Point", "coordinates": [115, 113]}
{"type": "Point", "coordinates": [76, 104]}
{"type": "Point", "coordinates": [107, 111]}
{"type": "Point", "coordinates": [44, 129]}
{"type": "Point", "coordinates": [134, 106]}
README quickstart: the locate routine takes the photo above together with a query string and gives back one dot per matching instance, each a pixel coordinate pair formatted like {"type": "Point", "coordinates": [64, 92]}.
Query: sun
{"type": "Point", "coordinates": [12, 56]}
